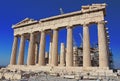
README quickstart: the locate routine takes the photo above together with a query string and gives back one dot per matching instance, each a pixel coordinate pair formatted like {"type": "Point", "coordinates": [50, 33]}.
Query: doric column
{"type": "Point", "coordinates": [55, 48]}
{"type": "Point", "coordinates": [14, 51]}
{"type": "Point", "coordinates": [31, 50]}
{"type": "Point", "coordinates": [69, 54]}
{"type": "Point", "coordinates": [62, 55]}
{"type": "Point", "coordinates": [86, 46]}
{"type": "Point", "coordinates": [58, 58]}
{"type": "Point", "coordinates": [36, 52]}
{"type": "Point", "coordinates": [42, 49]}
{"type": "Point", "coordinates": [46, 55]}
{"type": "Point", "coordinates": [107, 42]}
{"type": "Point", "coordinates": [50, 53]}
{"type": "Point", "coordinates": [50, 49]}
{"type": "Point", "coordinates": [46, 58]}
{"type": "Point", "coordinates": [103, 58]}
{"type": "Point", "coordinates": [21, 51]}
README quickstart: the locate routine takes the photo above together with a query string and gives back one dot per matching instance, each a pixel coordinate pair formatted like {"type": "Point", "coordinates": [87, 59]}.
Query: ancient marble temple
{"type": "Point", "coordinates": [35, 32]}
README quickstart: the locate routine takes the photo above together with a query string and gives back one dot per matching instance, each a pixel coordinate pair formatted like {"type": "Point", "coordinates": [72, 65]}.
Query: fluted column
{"type": "Point", "coordinates": [42, 49]}
{"type": "Point", "coordinates": [86, 46]}
{"type": "Point", "coordinates": [62, 55]}
{"type": "Point", "coordinates": [36, 52]}
{"type": "Point", "coordinates": [69, 54]}
{"type": "Point", "coordinates": [46, 55]}
{"type": "Point", "coordinates": [50, 53]}
{"type": "Point", "coordinates": [103, 58]}
{"type": "Point", "coordinates": [46, 58]}
{"type": "Point", "coordinates": [55, 48]}
{"type": "Point", "coordinates": [31, 50]}
{"type": "Point", "coordinates": [107, 43]}
{"type": "Point", "coordinates": [21, 52]}
{"type": "Point", "coordinates": [58, 58]}
{"type": "Point", "coordinates": [50, 48]}
{"type": "Point", "coordinates": [14, 51]}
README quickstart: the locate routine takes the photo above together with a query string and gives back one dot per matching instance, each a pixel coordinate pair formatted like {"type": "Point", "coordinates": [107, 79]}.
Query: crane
{"type": "Point", "coordinates": [74, 42]}
{"type": "Point", "coordinates": [81, 39]}
{"type": "Point", "coordinates": [61, 11]}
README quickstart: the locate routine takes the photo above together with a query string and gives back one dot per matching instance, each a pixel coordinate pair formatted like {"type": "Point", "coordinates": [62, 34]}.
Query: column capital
{"type": "Point", "coordinates": [32, 33]}
{"type": "Point", "coordinates": [16, 35]}
{"type": "Point", "coordinates": [85, 24]}
{"type": "Point", "coordinates": [69, 26]}
{"type": "Point", "coordinates": [42, 30]}
{"type": "Point", "coordinates": [102, 22]}
{"type": "Point", "coordinates": [22, 35]}
{"type": "Point", "coordinates": [55, 28]}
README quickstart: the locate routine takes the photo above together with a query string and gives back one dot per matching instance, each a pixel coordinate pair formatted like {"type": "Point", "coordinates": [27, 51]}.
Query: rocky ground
{"type": "Point", "coordinates": [40, 76]}
{"type": "Point", "coordinates": [18, 75]}
{"type": "Point", "coordinates": [43, 76]}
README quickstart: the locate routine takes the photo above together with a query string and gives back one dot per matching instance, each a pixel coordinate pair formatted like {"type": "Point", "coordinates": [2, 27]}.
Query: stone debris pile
{"type": "Point", "coordinates": [15, 74]}
{"type": "Point", "coordinates": [19, 75]}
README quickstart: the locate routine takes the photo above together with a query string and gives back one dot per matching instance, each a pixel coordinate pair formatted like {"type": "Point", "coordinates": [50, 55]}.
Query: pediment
{"type": "Point", "coordinates": [26, 21]}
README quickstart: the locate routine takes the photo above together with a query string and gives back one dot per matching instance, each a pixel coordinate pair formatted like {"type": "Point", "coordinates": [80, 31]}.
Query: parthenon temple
{"type": "Point", "coordinates": [35, 32]}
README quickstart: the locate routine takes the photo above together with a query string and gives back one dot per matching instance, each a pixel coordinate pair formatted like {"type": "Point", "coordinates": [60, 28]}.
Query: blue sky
{"type": "Point", "coordinates": [13, 11]}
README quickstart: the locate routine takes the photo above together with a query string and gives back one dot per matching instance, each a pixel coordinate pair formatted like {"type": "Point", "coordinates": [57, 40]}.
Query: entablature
{"type": "Point", "coordinates": [88, 14]}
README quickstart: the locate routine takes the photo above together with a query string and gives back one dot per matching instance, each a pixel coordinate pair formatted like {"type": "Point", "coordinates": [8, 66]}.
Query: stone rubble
{"type": "Point", "coordinates": [19, 75]}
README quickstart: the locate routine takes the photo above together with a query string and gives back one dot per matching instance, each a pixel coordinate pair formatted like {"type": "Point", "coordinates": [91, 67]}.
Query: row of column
{"type": "Point", "coordinates": [53, 53]}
